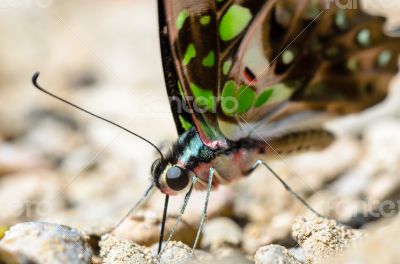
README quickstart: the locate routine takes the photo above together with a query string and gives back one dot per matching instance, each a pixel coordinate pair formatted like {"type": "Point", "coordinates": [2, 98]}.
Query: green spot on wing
{"type": "Point", "coordinates": [185, 124]}
{"type": "Point", "coordinates": [281, 91]}
{"type": "Point", "coordinates": [364, 37]}
{"type": "Point", "coordinates": [341, 19]}
{"type": "Point", "coordinates": [205, 20]}
{"type": "Point", "coordinates": [352, 64]}
{"type": "Point", "coordinates": [204, 98]}
{"type": "Point", "coordinates": [234, 21]}
{"type": "Point", "coordinates": [209, 60]}
{"type": "Point", "coordinates": [332, 51]}
{"type": "Point", "coordinates": [287, 57]}
{"type": "Point", "coordinates": [189, 54]}
{"type": "Point", "coordinates": [384, 58]}
{"type": "Point", "coordinates": [180, 89]}
{"type": "Point", "coordinates": [246, 97]}
{"type": "Point", "coordinates": [180, 20]}
{"type": "Point", "coordinates": [228, 100]}
{"type": "Point", "coordinates": [226, 67]}
{"type": "Point", "coordinates": [312, 10]}
{"type": "Point", "coordinates": [263, 97]}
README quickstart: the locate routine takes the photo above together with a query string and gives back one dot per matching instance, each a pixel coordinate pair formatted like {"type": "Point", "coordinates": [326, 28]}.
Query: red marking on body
{"type": "Point", "coordinates": [181, 164]}
{"type": "Point", "coordinates": [167, 191]}
{"type": "Point", "coordinates": [202, 171]}
{"type": "Point", "coordinates": [210, 143]}
{"type": "Point", "coordinates": [249, 75]}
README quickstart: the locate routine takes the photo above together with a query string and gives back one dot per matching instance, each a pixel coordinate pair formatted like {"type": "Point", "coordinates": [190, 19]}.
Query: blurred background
{"type": "Point", "coordinates": [58, 164]}
{"type": "Point", "coordinates": [103, 55]}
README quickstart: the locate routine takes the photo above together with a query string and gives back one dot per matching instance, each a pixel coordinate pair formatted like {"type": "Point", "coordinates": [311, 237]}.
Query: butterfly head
{"type": "Point", "coordinates": [170, 178]}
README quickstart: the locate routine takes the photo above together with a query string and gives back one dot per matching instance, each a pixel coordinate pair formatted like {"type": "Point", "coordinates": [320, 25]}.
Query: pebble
{"type": "Point", "coordinates": [383, 144]}
{"type": "Point", "coordinates": [255, 202]}
{"type": "Point", "coordinates": [220, 232]}
{"type": "Point", "coordinates": [321, 238]}
{"type": "Point", "coordinates": [230, 255]}
{"type": "Point", "coordinates": [380, 246]}
{"type": "Point", "coordinates": [373, 175]}
{"type": "Point", "coordinates": [53, 137]}
{"type": "Point", "coordinates": [176, 252]}
{"type": "Point", "coordinates": [14, 159]}
{"type": "Point", "coordinates": [114, 250]}
{"type": "Point", "coordinates": [221, 255]}
{"type": "Point", "coordinates": [298, 253]}
{"type": "Point", "coordinates": [310, 175]}
{"type": "Point", "coordinates": [9, 257]}
{"type": "Point", "coordinates": [144, 229]}
{"type": "Point", "coordinates": [257, 234]}
{"type": "Point", "coordinates": [47, 243]}
{"type": "Point", "coordinates": [37, 196]}
{"type": "Point", "coordinates": [274, 254]}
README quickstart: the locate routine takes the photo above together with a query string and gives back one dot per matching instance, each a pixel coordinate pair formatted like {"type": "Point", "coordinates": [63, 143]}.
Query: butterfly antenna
{"type": "Point", "coordinates": [35, 83]}
{"type": "Point", "coordinates": [146, 195]}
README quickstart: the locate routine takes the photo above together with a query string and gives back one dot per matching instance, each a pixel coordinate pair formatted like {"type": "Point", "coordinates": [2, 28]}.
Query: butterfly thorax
{"type": "Point", "coordinates": [191, 157]}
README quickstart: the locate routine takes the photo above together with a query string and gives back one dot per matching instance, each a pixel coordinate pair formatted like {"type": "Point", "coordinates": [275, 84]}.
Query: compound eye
{"type": "Point", "coordinates": [177, 179]}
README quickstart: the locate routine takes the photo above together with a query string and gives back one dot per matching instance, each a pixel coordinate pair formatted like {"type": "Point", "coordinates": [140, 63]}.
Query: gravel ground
{"type": "Point", "coordinates": [66, 179]}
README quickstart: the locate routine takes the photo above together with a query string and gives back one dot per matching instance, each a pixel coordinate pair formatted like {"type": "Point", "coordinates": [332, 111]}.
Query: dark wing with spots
{"type": "Point", "coordinates": [300, 63]}
{"type": "Point", "coordinates": [183, 120]}
{"type": "Point", "coordinates": [204, 35]}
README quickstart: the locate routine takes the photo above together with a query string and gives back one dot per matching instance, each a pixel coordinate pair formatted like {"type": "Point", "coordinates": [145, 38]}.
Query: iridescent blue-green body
{"type": "Point", "coordinates": [262, 76]}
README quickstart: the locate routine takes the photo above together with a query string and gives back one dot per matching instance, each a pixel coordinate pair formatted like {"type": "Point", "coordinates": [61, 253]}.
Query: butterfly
{"type": "Point", "coordinates": [247, 79]}
{"type": "Point", "coordinates": [250, 78]}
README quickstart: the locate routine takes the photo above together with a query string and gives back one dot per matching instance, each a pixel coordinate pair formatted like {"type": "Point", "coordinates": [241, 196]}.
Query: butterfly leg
{"type": "Point", "coordinates": [287, 187]}
{"type": "Point", "coordinates": [204, 214]}
{"type": "Point", "coordinates": [178, 219]}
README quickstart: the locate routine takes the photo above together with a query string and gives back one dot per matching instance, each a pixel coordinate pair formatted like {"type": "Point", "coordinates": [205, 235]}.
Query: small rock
{"type": "Point", "coordinates": [322, 237]}
{"type": "Point", "coordinates": [14, 159]}
{"type": "Point", "coordinates": [221, 255]}
{"type": "Point", "coordinates": [37, 196]}
{"type": "Point", "coordinates": [335, 205]}
{"type": "Point", "coordinates": [229, 255]}
{"type": "Point", "coordinates": [375, 175]}
{"type": "Point", "coordinates": [256, 234]}
{"type": "Point", "coordinates": [380, 246]}
{"type": "Point", "coordinates": [221, 232]}
{"type": "Point", "coordinates": [383, 187]}
{"type": "Point", "coordinates": [253, 202]}
{"type": "Point", "coordinates": [310, 175]}
{"type": "Point", "coordinates": [273, 254]}
{"type": "Point", "coordinates": [47, 243]}
{"type": "Point", "coordinates": [53, 137]}
{"type": "Point", "coordinates": [176, 252]}
{"type": "Point", "coordinates": [144, 229]}
{"type": "Point", "coordinates": [13, 257]}
{"type": "Point", "coordinates": [298, 253]}
{"type": "Point", "coordinates": [383, 144]}
{"type": "Point", "coordinates": [114, 250]}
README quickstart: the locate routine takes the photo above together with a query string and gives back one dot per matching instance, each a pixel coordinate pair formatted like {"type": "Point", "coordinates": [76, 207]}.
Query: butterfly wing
{"type": "Point", "coordinates": [301, 63]}
{"type": "Point", "coordinates": [251, 68]}
{"type": "Point", "coordinates": [183, 120]}
{"type": "Point", "coordinates": [202, 44]}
